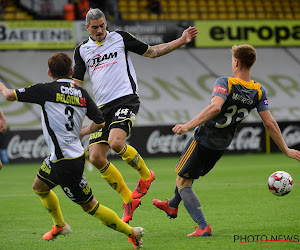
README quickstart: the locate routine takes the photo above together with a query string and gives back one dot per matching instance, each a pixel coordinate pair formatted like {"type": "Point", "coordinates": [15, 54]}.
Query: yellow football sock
{"type": "Point", "coordinates": [51, 203]}
{"type": "Point", "coordinates": [133, 158]}
{"type": "Point", "coordinates": [114, 178]}
{"type": "Point", "coordinates": [110, 219]}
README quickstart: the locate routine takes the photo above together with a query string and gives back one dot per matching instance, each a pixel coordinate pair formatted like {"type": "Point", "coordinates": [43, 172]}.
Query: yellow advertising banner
{"type": "Point", "coordinates": [264, 33]}
{"type": "Point", "coordinates": [18, 35]}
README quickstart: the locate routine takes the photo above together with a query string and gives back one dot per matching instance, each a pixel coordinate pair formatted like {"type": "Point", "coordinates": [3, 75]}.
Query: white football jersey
{"type": "Point", "coordinates": [109, 65]}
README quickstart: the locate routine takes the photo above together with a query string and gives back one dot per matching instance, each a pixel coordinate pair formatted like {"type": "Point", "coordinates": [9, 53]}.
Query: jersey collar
{"type": "Point", "coordinates": [99, 43]}
{"type": "Point", "coordinates": [65, 80]}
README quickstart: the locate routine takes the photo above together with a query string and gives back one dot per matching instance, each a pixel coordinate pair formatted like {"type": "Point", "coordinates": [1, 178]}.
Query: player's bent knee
{"type": "Point", "coordinates": [117, 141]}
{"type": "Point", "coordinates": [98, 161]}
{"type": "Point", "coordinates": [182, 182]}
{"type": "Point", "coordinates": [39, 187]}
{"type": "Point", "coordinates": [87, 207]}
{"type": "Point", "coordinates": [117, 145]}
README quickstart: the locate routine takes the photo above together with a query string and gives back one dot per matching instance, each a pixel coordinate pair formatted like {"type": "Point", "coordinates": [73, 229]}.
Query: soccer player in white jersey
{"type": "Point", "coordinates": [233, 98]}
{"type": "Point", "coordinates": [64, 106]}
{"type": "Point", "coordinates": [105, 57]}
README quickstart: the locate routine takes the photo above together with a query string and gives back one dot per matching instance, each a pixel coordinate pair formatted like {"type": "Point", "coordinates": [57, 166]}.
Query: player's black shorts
{"type": "Point", "coordinates": [196, 160]}
{"type": "Point", "coordinates": [119, 113]}
{"type": "Point", "coordinates": [69, 175]}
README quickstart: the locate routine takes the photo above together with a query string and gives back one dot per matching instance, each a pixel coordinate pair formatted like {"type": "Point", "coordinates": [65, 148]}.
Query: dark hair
{"type": "Point", "coordinates": [246, 55]}
{"type": "Point", "coordinates": [59, 65]}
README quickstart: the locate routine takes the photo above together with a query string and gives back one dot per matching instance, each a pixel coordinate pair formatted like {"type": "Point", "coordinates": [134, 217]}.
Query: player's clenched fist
{"type": "Point", "coordinates": [180, 129]}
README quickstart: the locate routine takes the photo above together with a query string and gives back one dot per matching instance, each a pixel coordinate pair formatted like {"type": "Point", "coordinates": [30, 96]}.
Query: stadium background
{"type": "Point", "coordinates": [173, 88]}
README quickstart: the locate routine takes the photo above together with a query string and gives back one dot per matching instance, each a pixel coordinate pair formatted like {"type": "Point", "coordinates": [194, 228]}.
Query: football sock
{"type": "Point", "coordinates": [50, 202]}
{"type": "Point", "coordinates": [175, 201]}
{"type": "Point", "coordinates": [114, 178]}
{"type": "Point", "coordinates": [110, 219]}
{"type": "Point", "coordinates": [193, 206]}
{"type": "Point", "coordinates": [133, 158]}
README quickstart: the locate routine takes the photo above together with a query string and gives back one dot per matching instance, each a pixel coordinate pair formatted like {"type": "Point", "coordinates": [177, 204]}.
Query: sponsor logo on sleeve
{"type": "Point", "coordinates": [220, 89]}
{"type": "Point", "coordinates": [21, 90]}
{"type": "Point", "coordinates": [265, 102]}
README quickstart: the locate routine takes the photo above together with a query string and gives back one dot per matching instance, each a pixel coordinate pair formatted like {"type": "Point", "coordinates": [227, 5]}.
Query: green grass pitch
{"type": "Point", "coordinates": [234, 197]}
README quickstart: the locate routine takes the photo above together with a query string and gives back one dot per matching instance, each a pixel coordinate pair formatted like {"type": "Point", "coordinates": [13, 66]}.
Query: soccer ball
{"type": "Point", "coordinates": [280, 183]}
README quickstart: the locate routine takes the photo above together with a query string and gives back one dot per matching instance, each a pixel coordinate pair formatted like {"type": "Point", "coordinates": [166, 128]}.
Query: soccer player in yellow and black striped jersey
{"type": "Point", "coordinates": [64, 106]}
{"type": "Point", "coordinates": [105, 57]}
{"type": "Point", "coordinates": [233, 98]}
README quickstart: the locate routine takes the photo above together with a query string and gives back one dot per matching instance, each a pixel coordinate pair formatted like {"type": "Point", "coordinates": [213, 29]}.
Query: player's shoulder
{"type": "Point", "coordinates": [30, 87]}
{"type": "Point", "coordinates": [85, 42]}
{"type": "Point", "coordinates": [111, 36]}
{"type": "Point", "coordinates": [46, 83]}
{"type": "Point", "coordinates": [83, 91]}
{"type": "Point", "coordinates": [120, 32]}
{"type": "Point", "coordinates": [125, 35]}
{"type": "Point", "coordinates": [260, 88]}
{"type": "Point", "coordinates": [257, 83]}
{"type": "Point", "coordinates": [50, 87]}
{"type": "Point", "coordinates": [50, 84]}
{"type": "Point", "coordinates": [39, 85]}
{"type": "Point", "coordinates": [222, 80]}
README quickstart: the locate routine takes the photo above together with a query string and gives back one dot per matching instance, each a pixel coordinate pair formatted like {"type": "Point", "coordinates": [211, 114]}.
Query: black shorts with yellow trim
{"type": "Point", "coordinates": [196, 160]}
{"type": "Point", "coordinates": [119, 113]}
{"type": "Point", "coordinates": [67, 173]}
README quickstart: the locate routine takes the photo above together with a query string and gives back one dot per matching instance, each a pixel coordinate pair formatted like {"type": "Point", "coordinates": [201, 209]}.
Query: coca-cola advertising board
{"type": "Point", "coordinates": [156, 141]}
{"type": "Point", "coordinates": [249, 137]}
{"type": "Point", "coordinates": [26, 146]}
{"type": "Point", "coordinates": [291, 134]}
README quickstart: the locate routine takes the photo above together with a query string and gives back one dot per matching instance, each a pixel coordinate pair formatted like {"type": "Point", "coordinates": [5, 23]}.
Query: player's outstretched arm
{"type": "Point", "coordinates": [8, 94]}
{"type": "Point", "coordinates": [209, 112]}
{"type": "Point", "coordinates": [2, 121]}
{"type": "Point", "coordinates": [165, 48]}
{"type": "Point", "coordinates": [275, 133]}
{"type": "Point", "coordinates": [293, 153]}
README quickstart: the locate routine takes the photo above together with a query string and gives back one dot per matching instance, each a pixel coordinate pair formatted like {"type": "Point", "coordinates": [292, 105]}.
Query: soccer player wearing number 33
{"type": "Point", "coordinates": [105, 57]}
{"type": "Point", "coordinates": [64, 106]}
{"type": "Point", "coordinates": [232, 100]}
